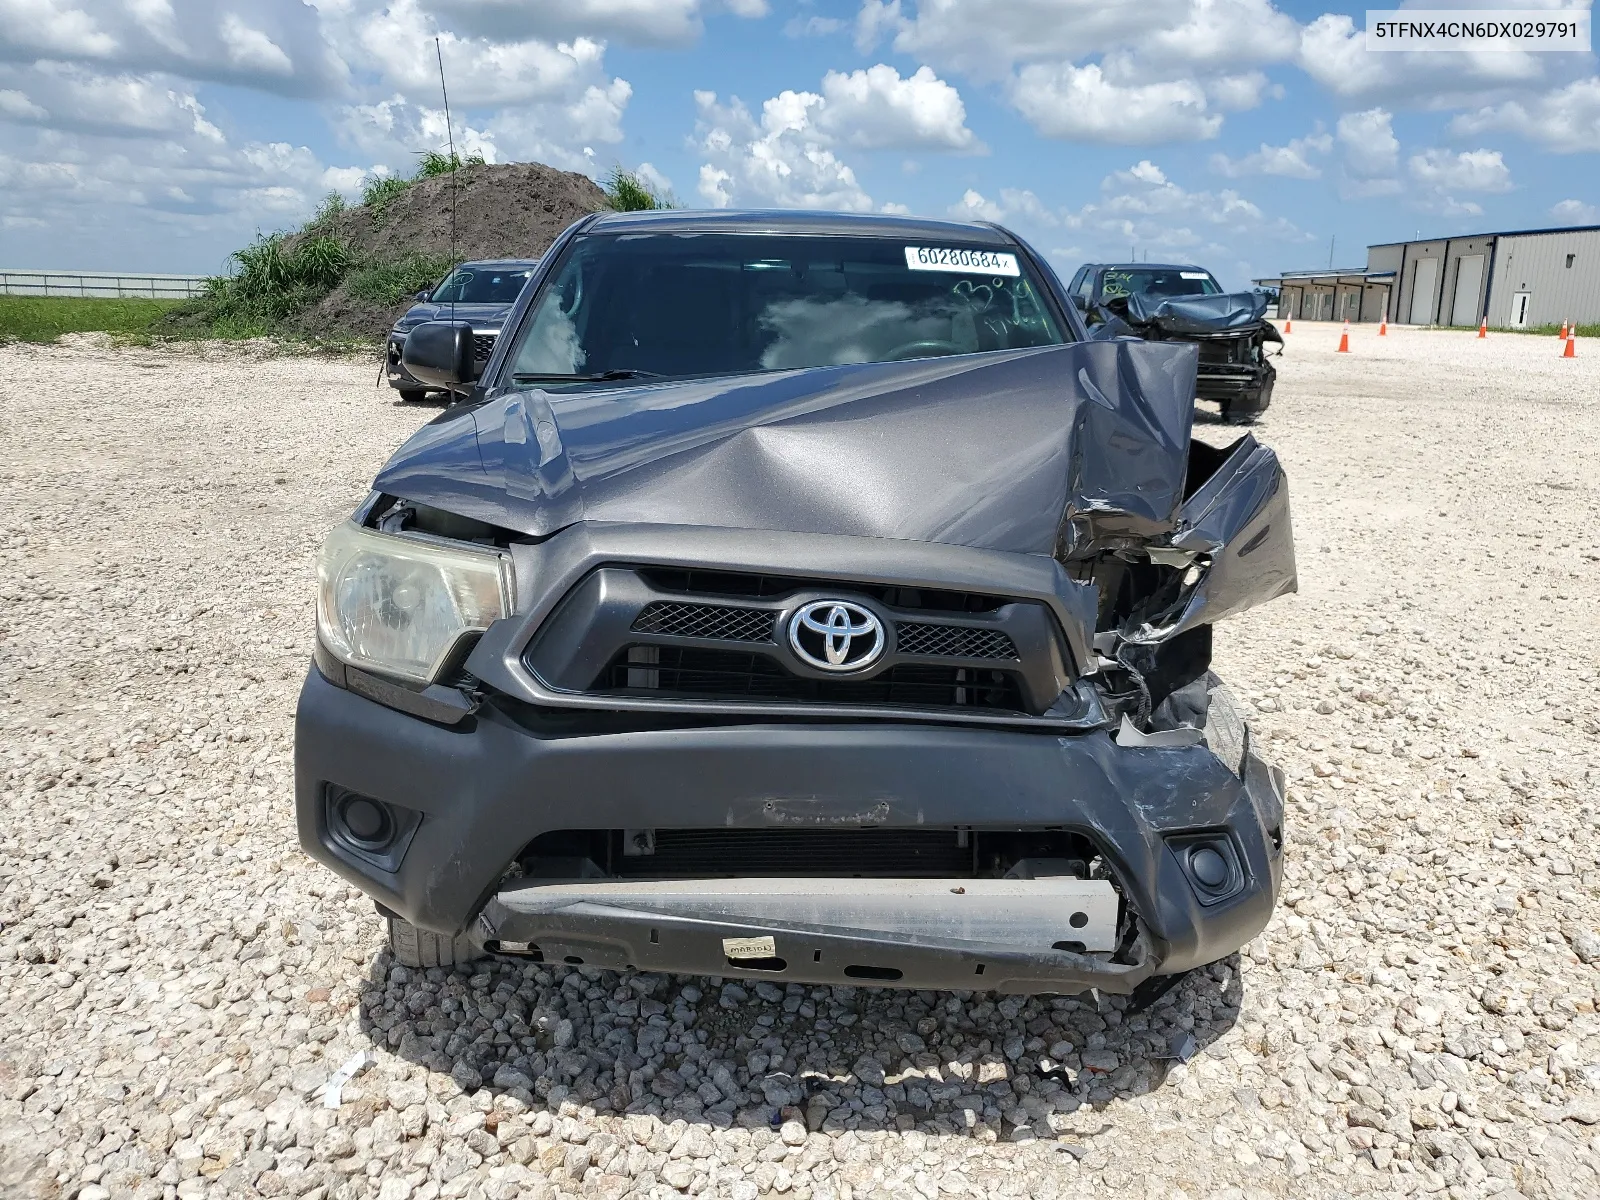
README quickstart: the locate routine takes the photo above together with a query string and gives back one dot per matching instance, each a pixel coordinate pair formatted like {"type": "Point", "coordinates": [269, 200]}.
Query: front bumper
{"type": "Point", "coordinates": [397, 375]}
{"type": "Point", "coordinates": [473, 794]}
{"type": "Point", "coordinates": [1224, 382]}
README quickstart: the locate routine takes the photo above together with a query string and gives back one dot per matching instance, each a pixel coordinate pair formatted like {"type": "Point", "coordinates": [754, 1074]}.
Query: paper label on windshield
{"type": "Point", "coordinates": [1192, 275]}
{"type": "Point", "coordinates": [965, 262]}
{"type": "Point", "coordinates": [756, 947]}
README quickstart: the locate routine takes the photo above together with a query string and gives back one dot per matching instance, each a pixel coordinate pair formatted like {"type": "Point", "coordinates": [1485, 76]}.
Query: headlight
{"type": "Point", "coordinates": [398, 604]}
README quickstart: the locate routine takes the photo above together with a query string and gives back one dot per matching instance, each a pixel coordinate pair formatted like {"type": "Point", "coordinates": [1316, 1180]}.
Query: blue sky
{"type": "Point", "coordinates": [1242, 134]}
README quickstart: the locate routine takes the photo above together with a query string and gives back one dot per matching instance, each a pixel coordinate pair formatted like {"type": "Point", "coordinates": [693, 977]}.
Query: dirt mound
{"type": "Point", "coordinates": [503, 210]}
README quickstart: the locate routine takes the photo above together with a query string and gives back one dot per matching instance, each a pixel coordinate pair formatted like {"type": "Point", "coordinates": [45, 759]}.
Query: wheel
{"type": "Point", "coordinates": [413, 947]}
{"type": "Point", "coordinates": [412, 395]}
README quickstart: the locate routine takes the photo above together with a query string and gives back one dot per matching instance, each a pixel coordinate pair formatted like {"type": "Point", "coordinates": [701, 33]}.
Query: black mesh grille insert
{"type": "Point", "coordinates": [482, 346]}
{"type": "Point", "coordinates": [740, 675]}
{"type": "Point", "coordinates": [717, 621]}
{"type": "Point", "coordinates": [695, 853]}
{"type": "Point", "coordinates": [953, 641]}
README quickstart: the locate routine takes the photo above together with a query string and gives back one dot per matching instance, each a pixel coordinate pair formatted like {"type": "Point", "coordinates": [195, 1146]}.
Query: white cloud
{"type": "Point", "coordinates": [789, 156]}
{"type": "Point", "coordinates": [1016, 205]}
{"type": "Point", "coordinates": [988, 37]}
{"type": "Point", "coordinates": [641, 22]}
{"type": "Point", "coordinates": [72, 97]}
{"type": "Point", "coordinates": [652, 178]}
{"type": "Point", "coordinates": [1333, 51]}
{"type": "Point", "coordinates": [974, 207]}
{"type": "Point", "coordinates": [1575, 212]}
{"type": "Point", "coordinates": [1167, 69]}
{"type": "Point", "coordinates": [1466, 171]}
{"type": "Point", "coordinates": [1566, 120]}
{"type": "Point", "coordinates": [396, 132]}
{"type": "Point", "coordinates": [1291, 161]}
{"type": "Point", "coordinates": [1141, 207]}
{"type": "Point", "coordinates": [563, 134]}
{"type": "Point", "coordinates": [876, 109]}
{"type": "Point", "coordinates": [399, 44]}
{"type": "Point", "coordinates": [813, 27]}
{"type": "Point", "coordinates": [783, 159]}
{"type": "Point", "coordinates": [253, 50]}
{"type": "Point", "coordinates": [279, 47]}
{"type": "Point", "coordinates": [1368, 145]}
{"type": "Point", "coordinates": [15, 106]}
{"type": "Point", "coordinates": [53, 27]}
{"type": "Point", "coordinates": [1239, 92]}
{"type": "Point", "coordinates": [1081, 104]}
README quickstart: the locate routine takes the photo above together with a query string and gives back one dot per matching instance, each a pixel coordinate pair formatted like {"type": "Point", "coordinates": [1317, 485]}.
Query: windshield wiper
{"type": "Point", "coordinates": [597, 377]}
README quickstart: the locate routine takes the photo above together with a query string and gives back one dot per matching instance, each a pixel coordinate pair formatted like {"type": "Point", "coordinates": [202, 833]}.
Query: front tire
{"type": "Point", "coordinates": [413, 947]}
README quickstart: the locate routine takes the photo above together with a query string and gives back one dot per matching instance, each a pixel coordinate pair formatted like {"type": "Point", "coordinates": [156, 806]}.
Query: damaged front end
{"type": "Point", "coordinates": [1033, 782]}
{"type": "Point", "coordinates": [1230, 332]}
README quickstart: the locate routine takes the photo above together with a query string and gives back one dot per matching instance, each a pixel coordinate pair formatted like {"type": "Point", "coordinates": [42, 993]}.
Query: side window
{"type": "Point", "coordinates": [1085, 286]}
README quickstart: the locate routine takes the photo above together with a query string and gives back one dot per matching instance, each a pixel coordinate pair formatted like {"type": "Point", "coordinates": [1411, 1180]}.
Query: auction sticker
{"type": "Point", "coordinates": [1193, 275]}
{"type": "Point", "coordinates": [756, 947]}
{"type": "Point", "coordinates": [966, 262]}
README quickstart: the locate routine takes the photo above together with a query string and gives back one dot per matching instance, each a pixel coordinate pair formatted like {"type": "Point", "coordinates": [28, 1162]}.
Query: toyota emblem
{"type": "Point", "coordinates": [836, 635]}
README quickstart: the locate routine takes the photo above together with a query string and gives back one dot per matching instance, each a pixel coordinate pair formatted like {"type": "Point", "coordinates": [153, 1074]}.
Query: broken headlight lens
{"type": "Point", "coordinates": [399, 604]}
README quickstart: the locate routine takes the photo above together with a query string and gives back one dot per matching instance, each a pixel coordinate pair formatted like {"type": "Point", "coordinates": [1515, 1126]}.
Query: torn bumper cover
{"type": "Point", "coordinates": [471, 795]}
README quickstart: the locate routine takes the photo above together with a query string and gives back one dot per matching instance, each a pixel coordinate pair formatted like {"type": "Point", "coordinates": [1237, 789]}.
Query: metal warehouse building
{"type": "Point", "coordinates": [1514, 280]}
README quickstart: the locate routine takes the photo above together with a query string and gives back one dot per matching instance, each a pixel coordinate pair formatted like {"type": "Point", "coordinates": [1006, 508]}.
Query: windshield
{"type": "Point", "coordinates": [481, 285]}
{"type": "Point", "coordinates": [676, 305]}
{"type": "Point", "coordinates": [1157, 281]}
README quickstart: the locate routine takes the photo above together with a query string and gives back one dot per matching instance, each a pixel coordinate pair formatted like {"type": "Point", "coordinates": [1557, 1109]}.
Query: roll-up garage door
{"type": "Point", "coordinates": [1423, 283]}
{"type": "Point", "coordinates": [1469, 278]}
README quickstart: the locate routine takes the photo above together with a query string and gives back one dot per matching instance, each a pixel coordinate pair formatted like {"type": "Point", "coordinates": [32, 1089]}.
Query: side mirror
{"type": "Point", "coordinates": [1080, 302]}
{"type": "Point", "coordinates": [424, 296]}
{"type": "Point", "coordinates": [440, 354]}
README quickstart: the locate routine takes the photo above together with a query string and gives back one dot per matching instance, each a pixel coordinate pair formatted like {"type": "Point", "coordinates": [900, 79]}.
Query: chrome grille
{"type": "Point", "coordinates": [717, 622]}
{"type": "Point", "coordinates": [482, 346]}
{"type": "Point", "coordinates": [953, 641]}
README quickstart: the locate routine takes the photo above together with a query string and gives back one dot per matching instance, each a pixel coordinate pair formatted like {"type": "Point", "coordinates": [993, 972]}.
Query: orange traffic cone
{"type": "Point", "coordinates": [1288, 323]}
{"type": "Point", "coordinates": [1563, 334]}
{"type": "Point", "coordinates": [1383, 325]}
{"type": "Point", "coordinates": [1344, 338]}
{"type": "Point", "coordinates": [1572, 345]}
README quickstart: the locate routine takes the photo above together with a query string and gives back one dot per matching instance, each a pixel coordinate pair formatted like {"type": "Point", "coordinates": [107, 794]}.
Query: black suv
{"type": "Point", "coordinates": [1185, 303]}
{"type": "Point", "coordinates": [800, 597]}
{"type": "Point", "coordinates": [479, 293]}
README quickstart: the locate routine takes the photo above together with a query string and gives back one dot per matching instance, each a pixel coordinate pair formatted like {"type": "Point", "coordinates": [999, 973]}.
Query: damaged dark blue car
{"type": "Point", "coordinates": [801, 597]}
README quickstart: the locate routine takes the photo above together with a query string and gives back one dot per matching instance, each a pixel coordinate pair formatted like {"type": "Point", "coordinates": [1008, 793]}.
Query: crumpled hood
{"type": "Point", "coordinates": [1043, 451]}
{"type": "Point", "coordinates": [1199, 314]}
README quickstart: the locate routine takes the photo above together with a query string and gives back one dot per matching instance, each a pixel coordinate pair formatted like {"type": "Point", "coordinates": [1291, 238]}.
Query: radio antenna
{"type": "Point", "coordinates": [450, 139]}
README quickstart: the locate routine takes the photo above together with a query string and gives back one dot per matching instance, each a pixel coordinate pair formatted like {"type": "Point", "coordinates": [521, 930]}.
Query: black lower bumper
{"type": "Point", "coordinates": [470, 796]}
{"type": "Point", "coordinates": [1226, 383]}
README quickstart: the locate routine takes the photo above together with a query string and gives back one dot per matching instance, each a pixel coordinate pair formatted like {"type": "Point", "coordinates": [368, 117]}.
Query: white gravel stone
{"type": "Point", "coordinates": [177, 981]}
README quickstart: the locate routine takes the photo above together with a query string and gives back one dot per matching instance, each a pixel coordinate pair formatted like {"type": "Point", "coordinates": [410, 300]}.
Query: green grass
{"type": "Point", "coordinates": [1583, 331]}
{"type": "Point", "coordinates": [45, 318]}
{"type": "Point", "coordinates": [391, 282]}
{"type": "Point", "coordinates": [627, 192]}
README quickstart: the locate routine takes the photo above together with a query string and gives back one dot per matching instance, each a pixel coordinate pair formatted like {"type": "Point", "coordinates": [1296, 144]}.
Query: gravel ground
{"type": "Point", "coordinates": [177, 982]}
